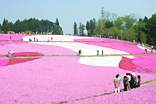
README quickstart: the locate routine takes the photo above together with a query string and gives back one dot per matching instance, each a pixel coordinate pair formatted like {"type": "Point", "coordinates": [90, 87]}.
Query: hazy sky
{"type": "Point", "coordinates": [70, 11]}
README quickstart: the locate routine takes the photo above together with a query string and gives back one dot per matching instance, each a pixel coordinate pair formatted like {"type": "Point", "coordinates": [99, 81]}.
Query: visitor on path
{"type": "Point", "coordinates": [128, 76]}
{"type": "Point", "coordinates": [138, 81]}
{"type": "Point", "coordinates": [119, 77]}
{"type": "Point", "coordinates": [133, 81]}
{"type": "Point", "coordinates": [80, 52]}
{"type": "Point", "coordinates": [34, 38]}
{"type": "Point", "coordinates": [117, 84]}
{"type": "Point", "coordinates": [102, 52]}
{"type": "Point", "coordinates": [146, 50]}
{"type": "Point", "coordinates": [51, 38]}
{"type": "Point", "coordinates": [12, 53]}
{"type": "Point", "coordinates": [126, 83]}
{"type": "Point", "coordinates": [48, 39]}
{"type": "Point", "coordinates": [9, 53]}
{"type": "Point", "coordinates": [152, 47]}
{"type": "Point", "coordinates": [97, 52]}
{"type": "Point", "coordinates": [10, 38]}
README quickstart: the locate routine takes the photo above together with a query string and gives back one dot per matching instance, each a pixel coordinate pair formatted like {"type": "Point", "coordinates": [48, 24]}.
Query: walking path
{"type": "Point", "coordinates": [80, 55]}
{"type": "Point", "coordinates": [121, 90]}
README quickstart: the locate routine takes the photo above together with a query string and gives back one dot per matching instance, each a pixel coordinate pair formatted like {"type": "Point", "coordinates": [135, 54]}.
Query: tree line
{"type": "Point", "coordinates": [125, 27]}
{"type": "Point", "coordinates": [31, 25]}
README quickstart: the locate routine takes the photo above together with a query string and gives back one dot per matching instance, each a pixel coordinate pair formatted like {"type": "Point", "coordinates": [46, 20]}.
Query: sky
{"type": "Point", "coordinates": [70, 11]}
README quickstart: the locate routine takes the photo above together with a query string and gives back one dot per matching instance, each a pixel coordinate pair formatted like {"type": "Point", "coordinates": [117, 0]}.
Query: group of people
{"type": "Point", "coordinates": [130, 81]}
{"type": "Point", "coordinates": [11, 53]}
{"type": "Point", "coordinates": [98, 52]}
{"type": "Point", "coordinates": [151, 49]}
{"type": "Point", "coordinates": [80, 52]}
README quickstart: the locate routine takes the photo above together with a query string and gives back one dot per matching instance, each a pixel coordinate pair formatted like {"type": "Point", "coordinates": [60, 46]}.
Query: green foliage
{"type": "Point", "coordinates": [28, 32]}
{"type": "Point", "coordinates": [33, 25]}
{"type": "Point", "coordinates": [129, 34]}
{"type": "Point", "coordinates": [75, 29]}
{"type": "Point", "coordinates": [88, 28]}
{"type": "Point", "coordinates": [56, 28]}
{"type": "Point", "coordinates": [81, 29]}
{"type": "Point", "coordinates": [142, 37]}
{"type": "Point", "coordinates": [151, 28]}
{"type": "Point", "coordinates": [109, 24]}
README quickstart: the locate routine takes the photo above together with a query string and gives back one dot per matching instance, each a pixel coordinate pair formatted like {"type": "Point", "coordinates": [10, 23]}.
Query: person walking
{"type": "Point", "coordinates": [80, 52]}
{"type": "Point", "coordinates": [10, 38]}
{"type": "Point", "coordinates": [151, 49]}
{"type": "Point", "coordinates": [117, 84]}
{"type": "Point", "coordinates": [146, 50]}
{"type": "Point", "coordinates": [102, 52]}
{"type": "Point", "coordinates": [97, 52]}
{"type": "Point", "coordinates": [9, 53]}
{"type": "Point", "coordinates": [12, 53]}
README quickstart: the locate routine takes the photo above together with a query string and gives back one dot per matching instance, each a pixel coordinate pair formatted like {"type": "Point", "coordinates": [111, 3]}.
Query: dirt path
{"type": "Point", "coordinates": [80, 55]}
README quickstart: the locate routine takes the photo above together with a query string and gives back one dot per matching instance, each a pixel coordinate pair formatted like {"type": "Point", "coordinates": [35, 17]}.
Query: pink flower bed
{"type": "Point", "coordinates": [3, 62]}
{"type": "Point", "coordinates": [14, 37]}
{"type": "Point", "coordinates": [146, 64]}
{"type": "Point", "coordinates": [27, 54]}
{"type": "Point", "coordinates": [57, 79]}
{"type": "Point", "coordinates": [32, 47]}
{"type": "Point", "coordinates": [99, 40]}
{"type": "Point", "coordinates": [130, 48]}
{"type": "Point", "coordinates": [142, 95]}
{"type": "Point", "coordinates": [51, 80]}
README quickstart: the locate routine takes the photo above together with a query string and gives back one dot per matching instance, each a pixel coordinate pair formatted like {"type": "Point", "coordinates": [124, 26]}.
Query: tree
{"type": "Point", "coordinates": [129, 34]}
{"type": "Point", "coordinates": [88, 28]}
{"type": "Point", "coordinates": [81, 29]}
{"type": "Point", "coordinates": [92, 27]}
{"type": "Point", "coordinates": [129, 21]}
{"type": "Point", "coordinates": [145, 19]}
{"type": "Point", "coordinates": [100, 27]}
{"type": "Point", "coordinates": [33, 25]}
{"type": "Point", "coordinates": [0, 29]}
{"type": "Point", "coordinates": [57, 22]}
{"type": "Point", "coordinates": [17, 26]}
{"type": "Point", "coordinates": [57, 29]}
{"type": "Point", "coordinates": [5, 26]}
{"type": "Point", "coordinates": [139, 27]}
{"type": "Point", "coordinates": [75, 28]}
{"type": "Point", "coordinates": [109, 24]}
{"type": "Point", "coordinates": [142, 37]}
{"type": "Point", "coordinates": [151, 28]}
{"type": "Point", "coordinates": [119, 23]}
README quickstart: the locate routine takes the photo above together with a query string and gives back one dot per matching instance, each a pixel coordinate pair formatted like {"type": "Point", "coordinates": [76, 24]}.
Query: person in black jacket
{"type": "Point", "coordinates": [138, 81]}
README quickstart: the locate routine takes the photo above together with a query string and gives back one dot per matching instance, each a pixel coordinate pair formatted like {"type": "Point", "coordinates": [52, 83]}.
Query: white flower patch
{"type": "Point", "coordinates": [108, 61]}
{"type": "Point", "coordinates": [130, 57]}
{"type": "Point", "coordinates": [55, 37]}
